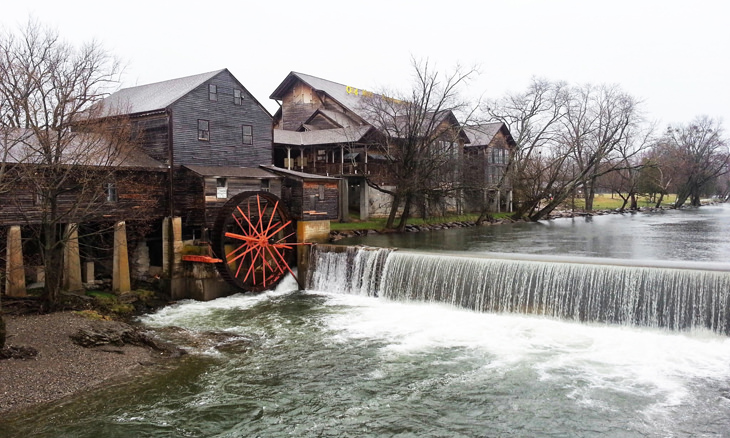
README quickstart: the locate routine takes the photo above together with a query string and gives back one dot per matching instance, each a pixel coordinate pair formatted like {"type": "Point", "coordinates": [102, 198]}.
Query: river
{"type": "Point", "coordinates": [327, 363]}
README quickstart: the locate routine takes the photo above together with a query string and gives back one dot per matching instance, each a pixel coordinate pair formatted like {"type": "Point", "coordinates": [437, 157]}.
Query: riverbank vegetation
{"type": "Point", "coordinates": [572, 142]}
{"type": "Point", "coordinates": [600, 202]}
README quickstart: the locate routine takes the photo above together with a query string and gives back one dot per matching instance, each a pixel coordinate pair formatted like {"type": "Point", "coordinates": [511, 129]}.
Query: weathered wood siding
{"type": "Point", "coordinates": [153, 134]}
{"type": "Point", "coordinates": [311, 200]}
{"type": "Point", "coordinates": [140, 196]}
{"type": "Point", "coordinates": [225, 146]}
{"type": "Point", "coordinates": [196, 197]}
{"type": "Point", "coordinates": [189, 197]}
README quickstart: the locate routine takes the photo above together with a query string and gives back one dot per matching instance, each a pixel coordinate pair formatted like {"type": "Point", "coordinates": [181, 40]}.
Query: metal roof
{"type": "Point", "coordinates": [482, 135]}
{"type": "Point", "coordinates": [232, 171]}
{"type": "Point", "coordinates": [349, 97]}
{"type": "Point", "coordinates": [298, 175]}
{"type": "Point", "coordinates": [79, 149]}
{"type": "Point", "coordinates": [321, 137]}
{"type": "Point", "coordinates": [154, 97]}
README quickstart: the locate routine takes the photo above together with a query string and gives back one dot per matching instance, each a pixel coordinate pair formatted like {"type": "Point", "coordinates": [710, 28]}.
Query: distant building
{"type": "Point", "coordinates": [323, 127]}
{"type": "Point", "coordinates": [489, 151]}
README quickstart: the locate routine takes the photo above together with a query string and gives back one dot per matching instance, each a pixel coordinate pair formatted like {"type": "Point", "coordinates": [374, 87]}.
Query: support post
{"type": "Point", "coordinates": [14, 268]}
{"type": "Point", "coordinates": [72, 261]}
{"type": "Point", "coordinates": [313, 232]}
{"type": "Point", "coordinates": [344, 187]}
{"type": "Point", "coordinates": [120, 273]}
{"type": "Point", "coordinates": [364, 200]}
{"type": "Point", "coordinates": [172, 246]}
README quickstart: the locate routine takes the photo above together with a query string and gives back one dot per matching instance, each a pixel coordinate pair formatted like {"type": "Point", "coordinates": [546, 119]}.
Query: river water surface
{"type": "Point", "coordinates": [327, 363]}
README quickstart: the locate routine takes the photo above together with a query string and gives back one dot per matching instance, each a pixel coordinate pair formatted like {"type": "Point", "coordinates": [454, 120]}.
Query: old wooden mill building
{"type": "Point", "coordinates": [200, 141]}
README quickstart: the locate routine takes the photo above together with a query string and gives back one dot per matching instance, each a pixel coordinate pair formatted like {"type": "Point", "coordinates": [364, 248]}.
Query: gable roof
{"type": "Point", "coordinates": [346, 96]}
{"type": "Point", "coordinates": [156, 96]}
{"type": "Point", "coordinates": [336, 117]}
{"type": "Point", "coordinates": [349, 98]}
{"type": "Point", "coordinates": [482, 135]}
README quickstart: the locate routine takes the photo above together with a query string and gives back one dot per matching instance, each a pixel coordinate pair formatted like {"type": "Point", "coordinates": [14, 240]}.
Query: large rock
{"type": "Point", "coordinates": [101, 333]}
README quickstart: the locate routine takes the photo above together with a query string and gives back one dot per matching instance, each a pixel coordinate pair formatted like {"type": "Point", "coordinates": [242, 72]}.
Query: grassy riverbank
{"type": "Point", "coordinates": [600, 202]}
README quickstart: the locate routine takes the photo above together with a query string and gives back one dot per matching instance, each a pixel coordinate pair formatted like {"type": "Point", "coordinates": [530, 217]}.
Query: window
{"type": "Point", "coordinates": [39, 197]}
{"type": "Point", "coordinates": [247, 134]}
{"type": "Point", "coordinates": [212, 92]}
{"type": "Point", "coordinates": [221, 188]}
{"type": "Point", "coordinates": [237, 97]}
{"type": "Point", "coordinates": [203, 130]}
{"type": "Point", "coordinates": [110, 189]}
{"type": "Point", "coordinates": [265, 185]}
{"type": "Point", "coordinates": [498, 156]}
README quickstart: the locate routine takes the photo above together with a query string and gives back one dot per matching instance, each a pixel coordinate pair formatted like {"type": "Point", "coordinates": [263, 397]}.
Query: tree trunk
{"type": "Point", "coordinates": [2, 332]}
{"type": "Point", "coordinates": [634, 203]}
{"type": "Point", "coordinates": [393, 211]}
{"type": "Point", "coordinates": [589, 193]}
{"type": "Point", "coordinates": [623, 205]}
{"type": "Point", "coordinates": [53, 265]}
{"type": "Point", "coordinates": [659, 202]}
{"type": "Point", "coordinates": [406, 214]}
{"type": "Point", "coordinates": [681, 199]}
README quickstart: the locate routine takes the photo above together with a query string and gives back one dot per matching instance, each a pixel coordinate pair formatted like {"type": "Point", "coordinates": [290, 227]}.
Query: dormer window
{"type": "Point", "coordinates": [212, 92]}
{"type": "Point", "coordinates": [237, 97]}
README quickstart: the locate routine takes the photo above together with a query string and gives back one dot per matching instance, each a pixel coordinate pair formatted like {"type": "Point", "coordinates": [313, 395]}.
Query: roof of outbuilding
{"type": "Point", "coordinates": [298, 175]}
{"type": "Point", "coordinates": [80, 149]}
{"type": "Point", "coordinates": [232, 171]}
{"type": "Point", "coordinates": [154, 97]}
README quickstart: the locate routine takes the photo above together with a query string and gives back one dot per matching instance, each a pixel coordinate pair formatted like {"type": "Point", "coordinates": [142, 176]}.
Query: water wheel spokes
{"type": "Point", "coordinates": [255, 237]}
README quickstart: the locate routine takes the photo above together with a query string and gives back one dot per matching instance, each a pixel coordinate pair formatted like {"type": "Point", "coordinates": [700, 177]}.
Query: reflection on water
{"type": "Point", "coordinates": [688, 234]}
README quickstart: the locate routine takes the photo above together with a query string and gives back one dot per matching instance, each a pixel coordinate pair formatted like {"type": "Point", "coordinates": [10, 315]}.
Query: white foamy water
{"type": "Point", "coordinates": [654, 363]}
{"type": "Point", "coordinates": [194, 314]}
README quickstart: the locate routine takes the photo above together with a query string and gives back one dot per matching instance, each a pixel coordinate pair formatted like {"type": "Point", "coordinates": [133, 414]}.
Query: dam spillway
{"type": "Point", "coordinates": [672, 295]}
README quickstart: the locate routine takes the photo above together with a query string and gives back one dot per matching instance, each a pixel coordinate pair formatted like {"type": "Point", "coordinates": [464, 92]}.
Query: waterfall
{"type": "Point", "coordinates": [679, 297]}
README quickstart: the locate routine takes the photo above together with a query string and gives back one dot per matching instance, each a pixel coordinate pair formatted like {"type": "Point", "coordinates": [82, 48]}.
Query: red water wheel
{"type": "Point", "coordinates": [255, 237]}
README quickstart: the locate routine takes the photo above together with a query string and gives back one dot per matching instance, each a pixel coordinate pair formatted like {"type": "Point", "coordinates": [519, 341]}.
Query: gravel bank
{"type": "Point", "coordinates": [61, 367]}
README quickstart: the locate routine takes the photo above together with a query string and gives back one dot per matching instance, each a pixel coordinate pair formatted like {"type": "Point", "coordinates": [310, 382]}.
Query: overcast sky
{"type": "Point", "coordinates": [674, 55]}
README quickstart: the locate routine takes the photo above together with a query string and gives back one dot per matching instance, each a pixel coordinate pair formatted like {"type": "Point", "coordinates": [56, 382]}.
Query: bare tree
{"type": "Point", "coordinates": [533, 117]}
{"type": "Point", "coordinates": [698, 155]}
{"type": "Point", "coordinates": [422, 137]}
{"type": "Point", "coordinates": [600, 126]}
{"type": "Point", "coordinates": [62, 160]}
{"type": "Point", "coordinates": [567, 137]}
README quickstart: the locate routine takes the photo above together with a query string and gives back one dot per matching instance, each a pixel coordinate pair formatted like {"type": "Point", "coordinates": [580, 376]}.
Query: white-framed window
{"type": "Point", "coordinates": [212, 92]}
{"type": "Point", "coordinates": [221, 188]}
{"type": "Point", "coordinates": [246, 134]}
{"type": "Point", "coordinates": [237, 96]}
{"type": "Point", "coordinates": [203, 130]}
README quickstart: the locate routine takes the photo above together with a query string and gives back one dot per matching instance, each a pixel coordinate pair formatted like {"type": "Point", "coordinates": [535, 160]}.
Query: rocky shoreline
{"type": "Point", "coordinates": [73, 354]}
